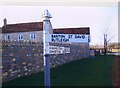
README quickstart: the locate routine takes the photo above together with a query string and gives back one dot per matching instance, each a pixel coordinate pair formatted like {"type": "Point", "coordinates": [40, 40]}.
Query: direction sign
{"type": "Point", "coordinates": [58, 50]}
{"type": "Point", "coordinates": [47, 38]}
{"type": "Point", "coordinates": [78, 38]}
{"type": "Point", "coordinates": [66, 50]}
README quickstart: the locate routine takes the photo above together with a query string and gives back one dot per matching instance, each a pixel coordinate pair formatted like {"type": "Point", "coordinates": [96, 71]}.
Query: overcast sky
{"type": "Point", "coordinates": [98, 18]}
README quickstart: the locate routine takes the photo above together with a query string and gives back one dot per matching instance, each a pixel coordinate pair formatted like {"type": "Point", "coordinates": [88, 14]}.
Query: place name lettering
{"type": "Point", "coordinates": [79, 36]}
{"type": "Point", "coordinates": [59, 38]}
{"type": "Point", "coordinates": [69, 38]}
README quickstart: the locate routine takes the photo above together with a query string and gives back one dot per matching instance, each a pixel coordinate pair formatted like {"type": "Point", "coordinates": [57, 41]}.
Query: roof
{"type": "Point", "coordinates": [80, 30]}
{"type": "Point", "coordinates": [38, 26]}
{"type": "Point", "coordinates": [22, 27]}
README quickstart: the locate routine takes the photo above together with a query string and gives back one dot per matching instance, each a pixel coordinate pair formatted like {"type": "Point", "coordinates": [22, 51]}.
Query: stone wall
{"type": "Point", "coordinates": [25, 58]}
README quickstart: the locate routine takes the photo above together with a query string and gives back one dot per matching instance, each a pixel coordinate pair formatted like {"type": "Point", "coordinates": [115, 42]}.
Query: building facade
{"type": "Point", "coordinates": [22, 49]}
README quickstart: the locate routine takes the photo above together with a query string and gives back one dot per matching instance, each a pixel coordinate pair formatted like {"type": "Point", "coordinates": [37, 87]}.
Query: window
{"type": "Point", "coordinates": [20, 37]}
{"type": "Point", "coordinates": [7, 37]}
{"type": "Point", "coordinates": [32, 36]}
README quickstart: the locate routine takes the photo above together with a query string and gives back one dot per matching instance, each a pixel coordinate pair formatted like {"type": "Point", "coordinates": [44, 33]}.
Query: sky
{"type": "Point", "coordinates": [98, 18]}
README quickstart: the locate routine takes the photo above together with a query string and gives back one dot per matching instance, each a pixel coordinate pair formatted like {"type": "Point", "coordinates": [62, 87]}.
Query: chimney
{"type": "Point", "coordinates": [5, 21]}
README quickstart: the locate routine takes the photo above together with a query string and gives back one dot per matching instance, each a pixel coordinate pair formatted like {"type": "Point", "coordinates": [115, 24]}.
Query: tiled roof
{"type": "Point", "coordinates": [81, 30]}
{"type": "Point", "coordinates": [23, 27]}
{"type": "Point", "coordinates": [38, 26]}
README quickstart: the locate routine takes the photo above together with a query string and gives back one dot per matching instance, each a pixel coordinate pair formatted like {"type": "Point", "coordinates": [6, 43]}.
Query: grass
{"type": "Point", "coordinates": [85, 72]}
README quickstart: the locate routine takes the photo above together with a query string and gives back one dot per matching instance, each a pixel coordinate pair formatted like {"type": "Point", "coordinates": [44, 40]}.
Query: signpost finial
{"type": "Point", "coordinates": [46, 15]}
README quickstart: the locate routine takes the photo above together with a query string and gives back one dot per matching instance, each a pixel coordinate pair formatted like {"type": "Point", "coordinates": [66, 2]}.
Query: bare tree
{"type": "Point", "coordinates": [107, 35]}
{"type": "Point", "coordinates": [105, 43]}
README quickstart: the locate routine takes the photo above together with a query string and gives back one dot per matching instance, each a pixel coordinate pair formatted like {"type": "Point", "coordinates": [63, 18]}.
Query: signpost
{"type": "Point", "coordinates": [58, 50]}
{"type": "Point", "coordinates": [66, 38]}
{"type": "Point", "coordinates": [58, 38]}
{"type": "Point", "coordinates": [46, 30]}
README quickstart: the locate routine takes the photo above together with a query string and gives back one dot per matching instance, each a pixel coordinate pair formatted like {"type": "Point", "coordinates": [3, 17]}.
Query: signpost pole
{"type": "Point", "coordinates": [46, 31]}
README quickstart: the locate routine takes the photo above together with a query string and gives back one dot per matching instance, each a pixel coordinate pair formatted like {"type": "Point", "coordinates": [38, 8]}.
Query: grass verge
{"type": "Point", "coordinates": [85, 72]}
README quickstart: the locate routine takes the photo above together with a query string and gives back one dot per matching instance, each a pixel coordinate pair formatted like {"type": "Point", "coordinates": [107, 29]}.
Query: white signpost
{"type": "Point", "coordinates": [58, 38]}
{"type": "Point", "coordinates": [46, 30]}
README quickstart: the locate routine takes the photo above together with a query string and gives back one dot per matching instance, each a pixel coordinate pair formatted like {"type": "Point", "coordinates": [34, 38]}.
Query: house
{"type": "Point", "coordinates": [22, 48]}
{"type": "Point", "coordinates": [33, 31]}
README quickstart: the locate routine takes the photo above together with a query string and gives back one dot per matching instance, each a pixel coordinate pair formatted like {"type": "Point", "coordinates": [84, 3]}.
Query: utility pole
{"type": "Point", "coordinates": [46, 31]}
